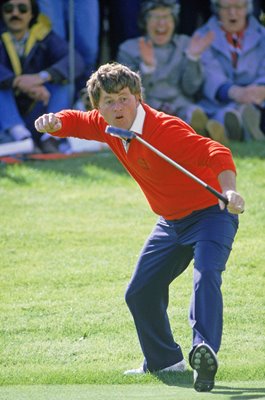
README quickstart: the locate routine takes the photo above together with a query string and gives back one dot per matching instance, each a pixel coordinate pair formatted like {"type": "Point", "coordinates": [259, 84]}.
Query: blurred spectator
{"type": "Point", "coordinates": [234, 88]}
{"type": "Point", "coordinates": [119, 22]}
{"type": "Point", "coordinates": [169, 65]}
{"type": "Point", "coordinates": [34, 69]}
{"type": "Point", "coordinates": [83, 102]}
{"type": "Point", "coordinates": [189, 20]}
{"type": "Point", "coordinates": [85, 28]}
{"type": "Point", "coordinates": [193, 13]}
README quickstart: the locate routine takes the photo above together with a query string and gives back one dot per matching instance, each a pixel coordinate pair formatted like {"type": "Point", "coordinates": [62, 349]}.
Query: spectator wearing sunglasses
{"type": "Point", "coordinates": [34, 75]}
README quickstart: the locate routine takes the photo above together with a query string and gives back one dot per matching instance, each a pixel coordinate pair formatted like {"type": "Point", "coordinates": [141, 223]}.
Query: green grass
{"type": "Point", "coordinates": [233, 390]}
{"type": "Point", "coordinates": [71, 232]}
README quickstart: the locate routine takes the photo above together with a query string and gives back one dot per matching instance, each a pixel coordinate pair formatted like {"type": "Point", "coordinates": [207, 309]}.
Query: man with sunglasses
{"type": "Point", "coordinates": [34, 71]}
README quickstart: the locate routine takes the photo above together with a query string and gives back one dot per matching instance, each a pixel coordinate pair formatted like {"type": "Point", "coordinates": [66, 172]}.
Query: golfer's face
{"type": "Point", "coordinates": [118, 109]}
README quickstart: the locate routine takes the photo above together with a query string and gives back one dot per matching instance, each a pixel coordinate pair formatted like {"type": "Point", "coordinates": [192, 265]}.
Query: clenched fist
{"type": "Point", "coordinates": [48, 123]}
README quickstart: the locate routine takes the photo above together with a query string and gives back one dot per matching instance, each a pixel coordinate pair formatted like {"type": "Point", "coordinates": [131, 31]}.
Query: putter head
{"type": "Point", "coordinates": [118, 132]}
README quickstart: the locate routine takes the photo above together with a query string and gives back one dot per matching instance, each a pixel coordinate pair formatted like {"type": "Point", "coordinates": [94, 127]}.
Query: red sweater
{"type": "Point", "coordinates": [169, 192]}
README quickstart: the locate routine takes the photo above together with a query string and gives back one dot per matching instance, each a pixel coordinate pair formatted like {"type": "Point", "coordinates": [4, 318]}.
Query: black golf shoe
{"type": "Point", "coordinates": [204, 363]}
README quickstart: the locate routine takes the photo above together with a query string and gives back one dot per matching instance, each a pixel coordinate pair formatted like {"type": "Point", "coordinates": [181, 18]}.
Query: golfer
{"type": "Point", "coordinates": [192, 223]}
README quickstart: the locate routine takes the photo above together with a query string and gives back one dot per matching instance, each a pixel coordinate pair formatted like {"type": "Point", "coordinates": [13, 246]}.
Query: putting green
{"type": "Point", "coordinates": [231, 390]}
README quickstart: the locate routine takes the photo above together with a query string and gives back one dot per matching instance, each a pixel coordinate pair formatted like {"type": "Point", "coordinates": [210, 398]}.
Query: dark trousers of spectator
{"type": "Point", "coordinates": [121, 18]}
{"type": "Point", "coordinates": [193, 13]}
{"type": "Point", "coordinates": [258, 7]}
{"type": "Point", "coordinates": [205, 236]}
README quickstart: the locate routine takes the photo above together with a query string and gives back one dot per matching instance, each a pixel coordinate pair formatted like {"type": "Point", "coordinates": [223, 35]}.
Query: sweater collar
{"type": "Point", "coordinates": [138, 123]}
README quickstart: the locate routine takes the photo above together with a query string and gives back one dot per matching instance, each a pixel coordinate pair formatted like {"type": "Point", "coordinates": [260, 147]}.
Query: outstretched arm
{"type": "Point", "coordinates": [48, 123]}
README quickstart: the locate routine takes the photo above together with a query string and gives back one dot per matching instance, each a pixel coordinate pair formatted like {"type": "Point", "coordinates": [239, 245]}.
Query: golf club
{"type": "Point", "coordinates": [125, 134]}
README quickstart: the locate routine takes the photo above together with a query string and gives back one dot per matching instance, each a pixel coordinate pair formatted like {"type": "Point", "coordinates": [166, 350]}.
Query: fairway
{"type": "Point", "coordinates": [231, 390]}
{"type": "Point", "coordinates": [71, 232]}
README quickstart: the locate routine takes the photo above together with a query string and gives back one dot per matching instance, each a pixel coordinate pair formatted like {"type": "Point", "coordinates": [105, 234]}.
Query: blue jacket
{"type": "Point", "coordinates": [217, 62]}
{"type": "Point", "coordinates": [45, 50]}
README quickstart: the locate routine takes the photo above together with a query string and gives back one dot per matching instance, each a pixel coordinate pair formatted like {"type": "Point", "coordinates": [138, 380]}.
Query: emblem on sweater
{"type": "Point", "coordinates": [143, 163]}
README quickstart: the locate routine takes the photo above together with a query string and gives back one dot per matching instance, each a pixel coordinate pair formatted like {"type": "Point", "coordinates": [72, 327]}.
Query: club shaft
{"type": "Point", "coordinates": [184, 170]}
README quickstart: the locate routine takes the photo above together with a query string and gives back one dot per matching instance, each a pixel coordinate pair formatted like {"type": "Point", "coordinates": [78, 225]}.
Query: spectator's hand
{"type": "Point", "coordinates": [252, 94]}
{"type": "Point", "coordinates": [198, 44]}
{"type": "Point", "coordinates": [48, 123]}
{"type": "Point", "coordinates": [25, 82]}
{"type": "Point", "coordinates": [236, 202]}
{"type": "Point", "coordinates": [147, 52]}
{"type": "Point", "coordinates": [40, 93]}
{"type": "Point", "coordinates": [255, 94]}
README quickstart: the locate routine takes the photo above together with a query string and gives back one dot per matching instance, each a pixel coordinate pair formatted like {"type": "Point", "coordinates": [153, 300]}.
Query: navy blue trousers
{"type": "Point", "coordinates": [205, 236]}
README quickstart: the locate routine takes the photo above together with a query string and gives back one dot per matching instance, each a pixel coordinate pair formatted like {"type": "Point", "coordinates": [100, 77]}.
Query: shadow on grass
{"type": "Point", "coordinates": [6, 174]}
{"type": "Point", "coordinates": [72, 167]}
{"type": "Point", "coordinates": [240, 393]}
{"type": "Point", "coordinates": [184, 379]}
{"type": "Point", "coordinates": [105, 160]}
{"type": "Point", "coordinates": [76, 167]}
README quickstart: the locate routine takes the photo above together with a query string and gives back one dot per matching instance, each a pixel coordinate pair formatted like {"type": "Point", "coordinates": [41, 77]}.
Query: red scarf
{"type": "Point", "coordinates": [235, 45]}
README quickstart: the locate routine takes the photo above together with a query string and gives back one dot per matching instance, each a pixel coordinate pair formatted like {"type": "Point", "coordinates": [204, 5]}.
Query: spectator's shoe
{"type": "Point", "coordinates": [198, 121]}
{"type": "Point", "coordinates": [9, 146]}
{"type": "Point", "coordinates": [49, 145]}
{"type": "Point", "coordinates": [178, 367]}
{"type": "Point", "coordinates": [204, 363]}
{"type": "Point", "coordinates": [233, 125]}
{"type": "Point", "coordinates": [19, 132]}
{"type": "Point", "coordinates": [251, 117]}
{"type": "Point", "coordinates": [216, 131]}
{"type": "Point", "coordinates": [64, 146]}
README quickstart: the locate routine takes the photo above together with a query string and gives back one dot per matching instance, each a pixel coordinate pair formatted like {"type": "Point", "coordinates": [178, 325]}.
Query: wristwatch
{"type": "Point", "coordinates": [44, 76]}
